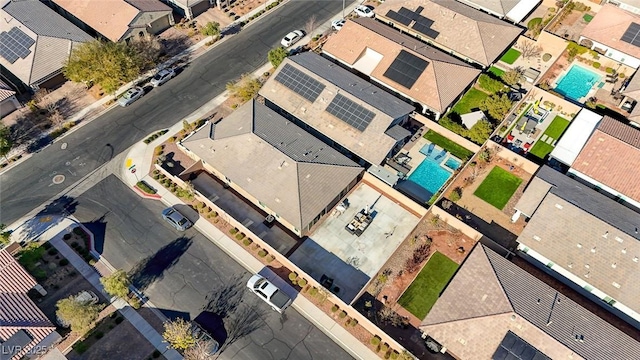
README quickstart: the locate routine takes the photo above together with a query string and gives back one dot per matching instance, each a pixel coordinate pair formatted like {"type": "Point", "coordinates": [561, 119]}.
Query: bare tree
{"type": "Point", "coordinates": [56, 118]}
{"type": "Point", "coordinates": [389, 316]}
{"type": "Point", "coordinates": [311, 25]}
{"type": "Point", "coordinates": [203, 349]}
{"type": "Point", "coordinates": [529, 49]}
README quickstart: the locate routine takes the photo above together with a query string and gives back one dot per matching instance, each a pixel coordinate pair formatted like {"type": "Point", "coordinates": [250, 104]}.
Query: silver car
{"type": "Point", "coordinates": [176, 219]}
{"type": "Point", "coordinates": [162, 77]}
{"type": "Point", "coordinates": [130, 96]}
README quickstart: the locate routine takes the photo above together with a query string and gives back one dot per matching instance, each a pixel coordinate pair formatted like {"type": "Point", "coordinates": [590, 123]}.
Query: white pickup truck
{"type": "Point", "coordinates": [270, 293]}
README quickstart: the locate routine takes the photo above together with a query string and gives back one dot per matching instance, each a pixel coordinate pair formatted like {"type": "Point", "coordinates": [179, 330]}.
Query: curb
{"type": "Point", "coordinates": [145, 195]}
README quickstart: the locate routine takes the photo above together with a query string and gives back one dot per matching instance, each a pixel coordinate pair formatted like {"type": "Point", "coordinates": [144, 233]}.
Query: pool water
{"type": "Point", "coordinates": [452, 163]}
{"type": "Point", "coordinates": [430, 175]}
{"type": "Point", "coordinates": [577, 82]}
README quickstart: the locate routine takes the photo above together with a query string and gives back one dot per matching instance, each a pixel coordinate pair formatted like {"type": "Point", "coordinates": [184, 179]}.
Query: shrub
{"type": "Point", "coordinates": [621, 75]}
{"type": "Point", "coordinates": [135, 303]}
{"type": "Point", "coordinates": [456, 194]}
{"type": "Point", "coordinates": [420, 254]}
{"type": "Point", "coordinates": [65, 237]}
{"type": "Point", "coordinates": [240, 236]}
{"type": "Point", "coordinates": [293, 276]}
{"type": "Point", "coordinates": [156, 354]}
{"type": "Point", "coordinates": [343, 314]}
{"type": "Point", "coordinates": [145, 187]}
{"type": "Point", "coordinates": [64, 262]}
{"type": "Point", "coordinates": [384, 347]}
{"type": "Point", "coordinates": [119, 319]}
{"type": "Point", "coordinates": [489, 84]}
{"type": "Point", "coordinates": [270, 258]}
{"type": "Point", "coordinates": [79, 231]}
{"type": "Point", "coordinates": [52, 252]}
{"type": "Point", "coordinates": [546, 57]}
{"type": "Point", "coordinates": [375, 341]}
{"type": "Point", "coordinates": [99, 335]}
{"type": "Point", "coordinates": [334, 308]}
{"type": "Point", "coordinates": [609, 70]}
{"type": "Point", "coordinates": [353, 322]}
{"type": "Point", "coordinates": [80, 347]}
{"type": "Point", "coordinates": [158, 150]}
{"type": "Point", "coordinates": [247, 242]}
{"type": "Point", "coordinates": [92, 262]}
{"type": "Point", "coordinates": [596, 64]}
{"type": "Point", "coordinates": [262, 253]}
{"type": "Point", "coordinates": [313, 291]}
{"type": "Point", "coordinates": [302, 282]}
{"type": "Point", "coordinates": [233, 231]}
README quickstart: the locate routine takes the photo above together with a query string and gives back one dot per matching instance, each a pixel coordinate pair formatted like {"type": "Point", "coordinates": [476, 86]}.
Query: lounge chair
{"type": "Point", "coordinates": [441, 155]}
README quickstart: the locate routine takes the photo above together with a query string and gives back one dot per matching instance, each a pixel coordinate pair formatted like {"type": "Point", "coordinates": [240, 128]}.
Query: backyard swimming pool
{"type": "Point", "coordinates": [577, 82]}
{"type": "Point", "coordinates": [434, 170]}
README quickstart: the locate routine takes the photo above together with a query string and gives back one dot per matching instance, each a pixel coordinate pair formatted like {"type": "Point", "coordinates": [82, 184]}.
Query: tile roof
{"type": "Point", "coordinates": [277, 162]}
{"type": "Point", "coordinates": [608, 26]}
{"type": "Point", "coordinates": [529, 308]}
{"type": "Point", "coordinates": [535, 191]}
{"type": "Point", "coordinates": [54, 38]}
{"type": "Point", "coordinates": [611, 156]}
{"type": "Point", "coordinates": [149, 5]}
{"type": "Point", "coordinates": [17, 311]}
{"type": "Point", "coordinates": [632, 89]}
{"type": "Point", "coordinates": [499, 7]}
{"type": "Point", "coordinates": [443, 80]}
{"type": "Point", "coordinates": [467, 31]}
{"type": "Point", "coordinates": [5, 91]}
{"type": "Point", "coordinates": [371, 144]}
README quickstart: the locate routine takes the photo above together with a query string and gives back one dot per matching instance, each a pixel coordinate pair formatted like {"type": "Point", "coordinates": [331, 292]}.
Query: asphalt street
{"type": "Point", "coordinates": [181, 272]}
{"type": "Point", "coordinates": [29, 184]}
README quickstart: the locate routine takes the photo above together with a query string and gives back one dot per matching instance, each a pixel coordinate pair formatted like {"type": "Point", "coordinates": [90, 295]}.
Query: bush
{"type": "Point", "coordinates": [596, 64]}
{"type": "Point", "coordinates": [247, 242]}
{"type": "Point", "coordinates": [233, 231]}
{"type": "Point", "coordinates": [119, 319]}
{"type": "Point", "coordinates": [99, 335]}
{"type": "Point", "coordinates": [156, 354]}
{"type": "Point", "coordinates": [621, 75]}
{"type": "Point", "coordinates": [302, 282]}
{"type": "Point", "coordinates": [145, 187]}
{"type": "Point", "coordinates": [456, 194]}
{"type": "Point", "coordinates": [75, 244]}
{"type": "Point", "coordinates": [609, 70]}
{"type": "Point", "coordinates": [65, 237]}
{"type": "Point", "coordinates": [52, 251]}
{"type": "Point", "coordinates": [489, 84]}
{"type": "Point", "coordinates": [79, 231]}
{"type": "Point", "coordinates": [293, 276]}
{"type": "Point", "coordinates": [313, 291]}
{"type": "Point", "coordinates": [270, 258]}
{"type": "Point", "coordinates": [343, 314]}
{"type": "Point", "coordinates": [546, 57]}
{"type": "Point", "coordinates": [240, 236]}
{"type": "Point", "coordinates": [375, 341]}
{"type": "Point", "coordinates": [384, 347]}
{"type": "Point", "coordinates": [64, 262]}
{"type": "Point", "coordinates": [334, 308]}
{"type": "Point", "coordinates": [80, 347]}
{"type": "Point", "coordinates": [534, 23]}
{"type": "Point", "coordinates": [420, 254]}
{"type": "Point", "coordinates": [262, 253]}
{"type": "Point", "coordinates": [353, 322]}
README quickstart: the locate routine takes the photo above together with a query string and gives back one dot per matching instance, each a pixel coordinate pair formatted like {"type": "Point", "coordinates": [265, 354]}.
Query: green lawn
{"type": "Point", "coordinates": [541, 149]}
{"type": "Point", "coordinates": [511, 56]}
{"type": "Point", "coordinates": [495, 71]}
{"type": "Point", "coordinates": [471, 100]}
{"type": "Point", "coordinates": [587, 17]}
{"type": "Point", "coordinates": [452, 147]}
{"type": "Point", "coordinates": [424, 291]}
{"type": "Point", "coordinates": [498, 187]}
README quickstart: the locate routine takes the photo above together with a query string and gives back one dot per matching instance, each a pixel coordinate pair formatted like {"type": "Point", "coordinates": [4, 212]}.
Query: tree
{"type": "Point", "coordinates": [80, 315]}
{"type": "Point", "coordinates": [497, 105]}
{"type": "Point", "coordinates": [481, 131]}
{"type": "Point", "coordinates": [108, 64]}
{"type": "Point", "coordinates": [276, 56]}
{"type": "Point", "coordinates": [116, 284]}
{"type": "Point", "coordinates": [56, 118]}
{"type": "Point", "coordinates": [6, 143]}
{"type": "Point", "coordinates": [513, 76]}
{"type": "Point", "coordinates": [5, 236]}
{"type": "Point", "coordinates": [529, 49]}
{"type": "Point", "coordinates": [311, 24]}
{"type": "Point", "coordinates": [211, 29]}
{"type": "Point", "coordinates": [245, 88]}
{"type": "Point", "coordinates": [203, 349]}
{"type": "Point", "coordinates": [148, 51]}
{"type": "Point", "coordinates": [179, 334]}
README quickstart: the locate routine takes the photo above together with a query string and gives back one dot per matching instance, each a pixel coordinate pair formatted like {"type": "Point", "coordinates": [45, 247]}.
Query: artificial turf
{"type": "Point", "coordinates": [498, 187]}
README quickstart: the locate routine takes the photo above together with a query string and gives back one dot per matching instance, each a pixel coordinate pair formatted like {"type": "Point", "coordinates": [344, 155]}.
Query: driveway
{"type": "Point", "coordinates": [182, 272]}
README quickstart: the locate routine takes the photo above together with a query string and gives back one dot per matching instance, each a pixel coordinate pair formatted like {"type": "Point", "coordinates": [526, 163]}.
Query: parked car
{"type": "Point", "coordinates": [270, 293]}
{"type": "Point", "coordinates": [130, 96]}
{"type": "Point", "coordinates": [162, 77]}
{"type": "Point", "coordinates": [176, 219]}
{"type": "Point", "coordinates": [200, 333]}
{"type": "Point", "coordinates": [292, 38]}
{"type": "Point", "coordinates": [364, 11]}
{"type": "Point", "coordinates": [338, 24]}
{"type": "Point", "coordinates": [83, 297]}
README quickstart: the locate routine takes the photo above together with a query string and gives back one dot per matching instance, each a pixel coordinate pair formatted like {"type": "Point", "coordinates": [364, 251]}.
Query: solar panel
{"type": "Point", "coordinates": [407, 13]}
{"type": "Point", "coordinates": [406, 69]}
{"type": "Point", "coordinates": [399, 17]}
{"type": "Point", "coordinates": [299, 82]}
{"type": "Point", "coordinates": [15, 44]}
{"type": "Point", "coordinates": [350, 112]}
{"type": "Point", "coordinates": [513, 347]}
{"type": "Point", "coordinates": [423, 25]}
{"type": "Point", "coordinates": [632, 35]}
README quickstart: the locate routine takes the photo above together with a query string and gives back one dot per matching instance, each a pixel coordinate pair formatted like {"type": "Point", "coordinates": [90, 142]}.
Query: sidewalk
{"type": "Point", "coordinates": [54, 236]}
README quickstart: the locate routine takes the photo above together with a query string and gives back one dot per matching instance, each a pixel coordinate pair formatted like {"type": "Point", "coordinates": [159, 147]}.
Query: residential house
{"type": "Point", "coordinates": [36, 42]}
{"type": "Point", "coordinates": [493, 309]}
{"type": "Point", "coordinates": [274, 164]}
{"type": "Point", "coordinates": [628, 5]}
{"type": "Point", "coordinates": [413, 70]}
{"type": "Point", "coordinates": [513, 10]}
{"type": "Point", "coordinates": [352, 115]}
{"type": "Point", "coordinates": [453, 27]}
{"type": "Point", "coordinates": [583, 238]}
{"type": "Point", "coordinates": [614, 33]}
{"type": "Point", "coordinates": [117, 20]}
{"type": "Point", "coordinates": [8, 100]}
{"type": "Point", "coordinates": [632, 92]}
{"type": "Point", "coordinates": [190, 8]}
{"type": "Point", "coordinates": [24, 329]}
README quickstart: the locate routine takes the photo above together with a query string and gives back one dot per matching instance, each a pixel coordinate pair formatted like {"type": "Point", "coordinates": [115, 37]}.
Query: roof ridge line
{"type": "Point", "coordinates": [470, 318]}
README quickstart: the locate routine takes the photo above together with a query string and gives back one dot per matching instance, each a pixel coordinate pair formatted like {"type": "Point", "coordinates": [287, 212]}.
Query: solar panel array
{"type": "Point", "coordinates": [632, 35]}
{"type": "Point", "coordinates": [350, 112]}
{"type": "Point", "coordinates": [404, 16]}
{"type": "Point", "coordinates": [422, 24]}
{"type": "Point", "coordinates": [299, 82]}
{"type": "Point", "coordinates": [513, 347]}
{"type": "Point", "coordinates": [15, 45]}
{"type": "Point", "coordinates": [406, 69]}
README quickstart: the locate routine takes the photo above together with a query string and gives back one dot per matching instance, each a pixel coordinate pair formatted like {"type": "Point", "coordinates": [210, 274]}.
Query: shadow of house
{"type": "Point", "coordinates": [151, 269]}
{"type": "Point", "coordinates": [172, 166]}
{"type": "Point", "coordinates": [98, 228]}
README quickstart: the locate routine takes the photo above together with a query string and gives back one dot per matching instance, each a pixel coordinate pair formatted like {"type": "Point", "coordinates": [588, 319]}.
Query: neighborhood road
{"type": "Point", "coordinates": [181, 271]}
{"type": "Point", "coordinates": [30, 184]}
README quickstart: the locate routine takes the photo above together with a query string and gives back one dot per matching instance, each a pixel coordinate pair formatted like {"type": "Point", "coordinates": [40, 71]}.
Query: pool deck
{"type": "Point", "coordinates": [417, 157]}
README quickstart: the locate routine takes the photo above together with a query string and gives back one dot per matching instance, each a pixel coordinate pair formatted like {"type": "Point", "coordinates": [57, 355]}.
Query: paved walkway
{"type": "Point", "coordinates": [54, 236]}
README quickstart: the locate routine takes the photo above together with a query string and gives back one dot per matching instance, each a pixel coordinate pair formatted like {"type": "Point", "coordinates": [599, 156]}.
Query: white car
{"type": "Point", "coordinates": [292, 38]}
{"type": "Point", "coordinates": [162, 77]}
{"type": "Point", "coordinates": [338, 24]}
{"type": "Point", "coordinates": [270, 293]}
{"type": "Point", "coordinates": [364, 11]}
{"type": "Point", "coordinates": [130, 96]}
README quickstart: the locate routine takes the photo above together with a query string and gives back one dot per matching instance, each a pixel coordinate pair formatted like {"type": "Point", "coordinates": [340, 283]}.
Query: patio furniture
{"type": "Point", "coordinates": [442, 153]}
{"type": "Point", "coordinates": [359, 223]}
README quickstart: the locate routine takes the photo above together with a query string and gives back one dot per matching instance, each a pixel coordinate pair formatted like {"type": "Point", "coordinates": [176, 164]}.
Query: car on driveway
{"type": "Point", "coordinates": [364, 11]}
{"type": "Point", "coordinates": [176, 219]}
{"type": "Point", "coordinates": [338, 24]}
{"type": "Point", "coordinates": [162, 77]}
{"type": "Point", "coordinates": [130, 96]}
{"type": "Point", "coordinates": [270, 293]}
{"type": "Point", "coordinates": [292, 38]}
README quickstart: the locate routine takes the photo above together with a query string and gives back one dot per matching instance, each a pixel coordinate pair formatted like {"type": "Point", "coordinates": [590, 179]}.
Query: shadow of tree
{"type": "Point", "coordinates": [223, 301]}
{"type": "Point", "coordinates": [245, 319]}
{"type": "Point", "coordinates": [52, 214]}
{"type": "Point", "coordinates": [151, 269]}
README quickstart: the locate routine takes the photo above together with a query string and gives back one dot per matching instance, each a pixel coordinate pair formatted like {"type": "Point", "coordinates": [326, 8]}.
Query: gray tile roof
{"type": "Point", "coordinates": [486, 278]}
{"type": "Point", "coordinates": [149, 5]}
{"type": "Point", "coordinates": [397, 132]}
{"type": "Point", "coordinates": [501, 7]}
{"type": "Point", "coordinates": [354, 85]}
{"type": "Point", "coordinates": [43, 21]}
{"type": "Point", "coordinates": [533, 195]}
{"type": "Point", "coordinates": [620, 131]}
{"type": "Point", "coordinates": [275, 161]}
